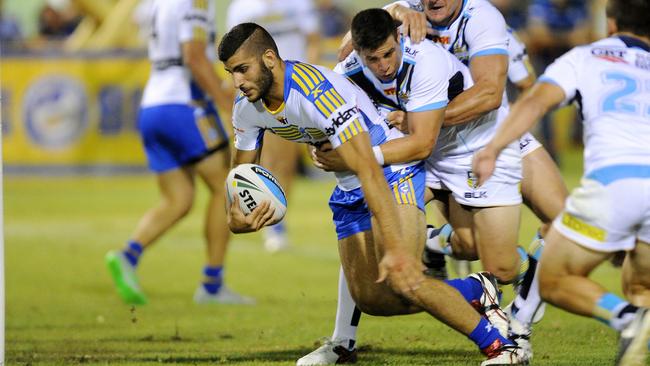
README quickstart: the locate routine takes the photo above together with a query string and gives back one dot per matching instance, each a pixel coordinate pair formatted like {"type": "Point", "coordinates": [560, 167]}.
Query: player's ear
{"type": "Point", "coordinates": [269, 58]}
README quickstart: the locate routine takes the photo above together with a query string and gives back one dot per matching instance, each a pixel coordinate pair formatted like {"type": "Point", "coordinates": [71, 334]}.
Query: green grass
{"type": "Point", "coordinates": [62, 308]}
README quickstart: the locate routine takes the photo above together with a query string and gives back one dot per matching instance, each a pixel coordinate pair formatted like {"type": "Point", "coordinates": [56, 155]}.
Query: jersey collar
{"type": "Point", "coordinates": [633, 42]}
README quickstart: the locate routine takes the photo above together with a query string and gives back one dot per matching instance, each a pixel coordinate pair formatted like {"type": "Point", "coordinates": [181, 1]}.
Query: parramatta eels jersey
{"type": "Point", "coordinates": [429, 77]}
{"type": "Point", "coordinates": [319, 106]}
{"type": "Point", "coordinates": [610, 82]}
{"type": "Point", "coordinates": [174, 22]}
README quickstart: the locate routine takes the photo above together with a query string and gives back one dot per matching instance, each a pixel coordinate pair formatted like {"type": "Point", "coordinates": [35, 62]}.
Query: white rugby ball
{"type": "Point", "coordinates": [253, 184]}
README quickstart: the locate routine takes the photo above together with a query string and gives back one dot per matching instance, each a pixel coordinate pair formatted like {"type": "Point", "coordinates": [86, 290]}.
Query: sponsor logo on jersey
{"type": "Point", "coordinates": [389, 91]}
{"type": "Point", "coordinates": [344, 116]}
{"type": "Point", "coordinates": [403, 96]}
{"type": "Point", "coordinates": [475, 195]}
{"type": "Point", "coordinates": [642, 62]}
{"type": "Point", "coordinates": [472, 181]}
{"type": "Point", "coordinates": [282, 120]}
{"type": "Point", "coordinates": [352, 63]}
{"type": "Point", "coordinates": [411, 51]}
{"type": "Point", "coordinates": [609, 54]}
{"type": "Point", "coordinates": [443, 40]}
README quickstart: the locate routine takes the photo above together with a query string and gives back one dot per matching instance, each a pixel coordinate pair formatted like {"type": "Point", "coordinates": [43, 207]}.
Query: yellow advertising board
{"type": "Point", "coordinates": [76, 111]}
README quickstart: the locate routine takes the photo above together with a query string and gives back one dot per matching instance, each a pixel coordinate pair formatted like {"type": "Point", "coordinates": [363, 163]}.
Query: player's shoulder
{"type": "Point", "coordinates": [423, 52]}
{"type": "Point", "coordinates": [244, 110]}
{"type": "Point", "coordinates": [350, 65]}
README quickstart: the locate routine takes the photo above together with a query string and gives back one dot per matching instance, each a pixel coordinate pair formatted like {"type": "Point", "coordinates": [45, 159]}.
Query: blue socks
{"type": "Point", "coordinates": [212, 279]}
{"type": "Point", "coordinates": [470, 288]}
{"type": "Point", "coordinates": [485, 334]}
{"type": "Point", "coordinates": [132, 252]}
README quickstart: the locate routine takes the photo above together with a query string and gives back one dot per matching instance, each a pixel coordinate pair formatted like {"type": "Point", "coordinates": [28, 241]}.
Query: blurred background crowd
{"type": "Point", "coordinates": [73, 71]}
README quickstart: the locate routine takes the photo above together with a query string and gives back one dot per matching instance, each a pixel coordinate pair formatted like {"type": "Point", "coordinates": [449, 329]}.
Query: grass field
{"type": "Point", "coordinates": [62, 308]}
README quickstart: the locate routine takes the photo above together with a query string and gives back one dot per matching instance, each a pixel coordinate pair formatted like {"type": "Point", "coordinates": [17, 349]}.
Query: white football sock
{"type": "Point", "coordinates": [347, 314]}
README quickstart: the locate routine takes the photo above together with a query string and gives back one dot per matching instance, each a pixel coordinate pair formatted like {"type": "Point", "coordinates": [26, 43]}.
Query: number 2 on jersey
{"type": "Point", "coordinates": [620, 100]}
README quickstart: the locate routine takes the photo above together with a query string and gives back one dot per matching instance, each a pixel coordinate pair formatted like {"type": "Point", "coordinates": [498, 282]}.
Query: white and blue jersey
{"type": "Point", "coordinates": [321, 106]}
{"type": "Point", "coordinates": [610, 82]}
{"type": "Point", "coordinates": [429, 78]}
{"type": "Point", "coordinates": [179, 125]}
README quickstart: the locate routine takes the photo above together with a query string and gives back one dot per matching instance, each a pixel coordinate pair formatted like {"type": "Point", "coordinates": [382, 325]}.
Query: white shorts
{"type": "Point", "coordinates": [528, 143]}
{"type": "Point", "coordinates": [610, 211]}
{"type": "Point", "coordinates": [454, 174]}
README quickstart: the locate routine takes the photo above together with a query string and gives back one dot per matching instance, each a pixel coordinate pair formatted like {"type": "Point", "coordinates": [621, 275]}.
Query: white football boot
{"type": "Point", "coordinates": [633, 344]}
{"type": "Point", "coordinates": [223, 296]}
{"type": "Point", "coordinates": [333, 351]}
{"type": "Point", "coordinates": [489, 302]}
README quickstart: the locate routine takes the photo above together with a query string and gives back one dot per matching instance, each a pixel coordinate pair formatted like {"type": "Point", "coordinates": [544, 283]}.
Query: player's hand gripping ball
{"type": "Point", "coordinates": [253, 184]}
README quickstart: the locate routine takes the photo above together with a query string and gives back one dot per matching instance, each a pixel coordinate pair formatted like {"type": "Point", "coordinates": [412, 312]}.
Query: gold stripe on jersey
{"type": "Point", "coordinates": [315, 133]}
{"type": "Point", "coordinates": [290, 132]}
{"type": "Point", "coordinates": [302, 85]}
{"type": "Point", "coordinates": [310, 74]}
{"type": "Point", "coordinates": [412, 190]}
{"type": "Point", "coordinates": [303, 75]}
{"type": "Point", "coordinates": [199, 33]}
{"type": "Point", "coordinates": [352, 130]}
{"type": "Point", "coordinates": [330, 96]}
{"type": "Point", "coordinates": [319, 75]}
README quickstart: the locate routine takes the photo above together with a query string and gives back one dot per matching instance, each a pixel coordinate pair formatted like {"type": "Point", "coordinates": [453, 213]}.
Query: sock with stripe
{"type": "Point", "coordinates": [132, 252]}
{"type": "Point", "coordinates": [485, 334]}
{"type": "Point", "coordinates": [347, 315]}
{"type": "Point", "coordinates": [614, 311]}
{"type": "Point", "coordinates": [212, 279]}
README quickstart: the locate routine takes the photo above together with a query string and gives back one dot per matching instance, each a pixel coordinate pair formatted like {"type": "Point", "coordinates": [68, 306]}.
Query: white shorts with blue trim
{"type": "Point", "coordinates": [610, 210]}
{"type": "Point", "coordinates": [455, 174]}
{"type": "Point", "coordinates": [528, 143]}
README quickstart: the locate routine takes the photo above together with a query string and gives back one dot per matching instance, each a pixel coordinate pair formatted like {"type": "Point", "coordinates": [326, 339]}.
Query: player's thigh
{"type": "Point", "coordinates": [495, 231]}
{"type": "Point", "coordinates": [359, 260]}
{"type": "Point", "coordinates": [213, 169]}
{"type": "Point", "coordinates": [412, 227]}
{"type": "Point", "coordinates": [636, 275]}
{"type": "Point", "coordinates": [564, 257]}
{"type": "Point", "coordinates": [542, 186]}
{"type": "Point", "coordinates": [461, 218]}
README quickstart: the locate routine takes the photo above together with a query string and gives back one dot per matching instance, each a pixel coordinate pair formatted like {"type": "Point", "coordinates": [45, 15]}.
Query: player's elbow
{"type": "Point", "coordinates": [424, 147]}
{"type": "Point", "coordinates": [494, 97]}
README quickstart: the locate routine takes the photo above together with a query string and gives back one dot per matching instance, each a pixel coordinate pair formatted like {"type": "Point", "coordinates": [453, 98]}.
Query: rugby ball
{"type": "Point", "coordinates": [253, 184]}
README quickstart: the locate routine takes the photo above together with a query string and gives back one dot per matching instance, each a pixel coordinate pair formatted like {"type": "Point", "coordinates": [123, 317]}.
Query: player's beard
{"type": "Point", "coordinates": [263, 82]}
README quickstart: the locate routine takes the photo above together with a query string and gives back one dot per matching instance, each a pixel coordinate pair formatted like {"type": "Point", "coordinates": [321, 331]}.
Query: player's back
{"type": "Point", "coordinates": [174, 22]}
{"type": "Point", "coordinates": [610, 81]}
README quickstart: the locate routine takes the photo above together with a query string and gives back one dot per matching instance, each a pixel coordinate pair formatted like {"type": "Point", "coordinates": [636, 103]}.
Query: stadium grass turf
{"type": "Point", "coordinates": [62, 308]}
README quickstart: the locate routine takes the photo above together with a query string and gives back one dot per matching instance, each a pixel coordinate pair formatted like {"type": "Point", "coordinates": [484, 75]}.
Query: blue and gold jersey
{"type": "Point", "coordinates": [319, 106]}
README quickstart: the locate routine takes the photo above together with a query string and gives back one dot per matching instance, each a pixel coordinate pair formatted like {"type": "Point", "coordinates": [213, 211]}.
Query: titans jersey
{"type": "Point", "coordinates": [319, 106]}
{"type": "Point", "coordinates": [429, 77]}
{"type": "Point", "coordinates": [478, 30]}
{"type": "Point", "coordinates": [519, 66]}
{"type": "Point", "coordinates": [174, 22]}
{"type": "Point", "coordinates": [288, 22]}
{"type": "Point", "coordinates": [610, 82]}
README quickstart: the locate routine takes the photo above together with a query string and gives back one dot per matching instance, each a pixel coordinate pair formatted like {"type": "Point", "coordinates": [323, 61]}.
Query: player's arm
{"type": "Point", "coordinates": [489, 73]}
{"type": "Point", "coordinates": [204, 74]}
{"type": "Point", "coordinates": [424, 128]}
{"type": "Point", "coordinates": [397, 264]}
{"type": "Point", "coordinates": [523, 115]}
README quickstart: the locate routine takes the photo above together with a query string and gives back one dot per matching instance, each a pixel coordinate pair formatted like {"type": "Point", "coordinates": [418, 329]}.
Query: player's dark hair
{"type": "Point", "coordinates": [631, 16]}
{"type": "Point", "coordinates": [371, 28]}
{"type": "Point", "coordinates": [256, 38]}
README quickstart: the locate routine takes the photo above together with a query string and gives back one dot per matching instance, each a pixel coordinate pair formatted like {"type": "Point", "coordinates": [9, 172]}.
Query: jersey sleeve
{"type": "Point", "coordinates": [194, 21]}
{"type": "Point", "coordinates": [564, 72]}
{"type": "Point", "coordinates": [486, 33]}
{"type": "Point", "coordinates": [248, 136]}
{"type": "Point", "coordinates": [430, 82]}
{"type": "Point", "coordinates": [518, 63]}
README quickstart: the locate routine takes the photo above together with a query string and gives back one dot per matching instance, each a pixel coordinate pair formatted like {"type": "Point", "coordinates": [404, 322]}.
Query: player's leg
{"type": "Point", "coordinates": [213, 170]}
{"type": "Point", "coordinates": [163, 134]}
{"type": "Point", "coordinates": [280, 157]}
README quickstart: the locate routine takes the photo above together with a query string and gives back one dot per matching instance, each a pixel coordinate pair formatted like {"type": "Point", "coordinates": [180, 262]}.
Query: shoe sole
{"type": "Point", "coordinates": [127, 294]}
{"type": "Point", "coordinates": [636, 352]}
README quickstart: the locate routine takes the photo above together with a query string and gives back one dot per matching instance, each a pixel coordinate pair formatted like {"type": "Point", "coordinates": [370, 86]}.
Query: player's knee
{"type": "Point", "coordinates": [504, 272]}
{"type": "Point", "coordinates": [374, 302]}
{"type": "Point", "coordinates": [180, 206]}
{"type": "Point", "coordinates": [548, 284]}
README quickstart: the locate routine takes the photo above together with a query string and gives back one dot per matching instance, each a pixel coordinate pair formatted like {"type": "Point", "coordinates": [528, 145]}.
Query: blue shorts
{"type": "Point", "coordinates": [176, 135]}
{"type": "Point", "coordinates": [350, 212]}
